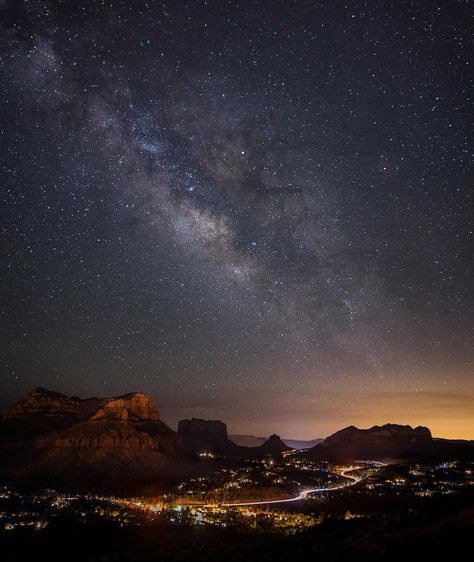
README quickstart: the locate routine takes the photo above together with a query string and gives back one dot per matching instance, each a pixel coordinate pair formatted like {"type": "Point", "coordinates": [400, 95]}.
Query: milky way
{"type": "Point", "coordinates": [258, 211]}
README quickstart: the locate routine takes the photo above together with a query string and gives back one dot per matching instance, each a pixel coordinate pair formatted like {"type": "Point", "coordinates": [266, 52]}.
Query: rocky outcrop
{"type": "Point", "coordinates": [200, 436]}
{"type": "Point", "coordinates": [273, 446]}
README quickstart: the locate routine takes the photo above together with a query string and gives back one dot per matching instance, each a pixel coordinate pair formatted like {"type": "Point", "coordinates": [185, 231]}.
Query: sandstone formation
{"type": "Point", "coordinates": [47, 419]}
{"type": "Point", "coordinates": [134, 406]}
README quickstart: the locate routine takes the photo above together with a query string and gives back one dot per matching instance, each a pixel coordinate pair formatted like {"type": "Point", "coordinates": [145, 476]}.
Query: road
{"type": "Point", "coordinates": [305, 493]}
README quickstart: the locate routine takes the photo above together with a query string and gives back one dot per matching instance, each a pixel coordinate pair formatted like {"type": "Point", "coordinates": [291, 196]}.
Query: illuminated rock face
{"type": "Point", "coordinates": [45, 403]}
{"type": "Point", "coordinates": [136, 406]}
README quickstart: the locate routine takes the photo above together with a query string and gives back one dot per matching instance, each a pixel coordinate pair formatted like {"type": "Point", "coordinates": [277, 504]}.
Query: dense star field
{"type": "Point", "coordinates": [257, 211]}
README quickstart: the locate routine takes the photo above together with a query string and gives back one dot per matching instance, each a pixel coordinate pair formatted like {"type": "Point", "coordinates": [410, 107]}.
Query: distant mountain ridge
{"type": "Point", "coordinates": [389, 441]}
{"type": "Point", "coordinates": [253, 441]}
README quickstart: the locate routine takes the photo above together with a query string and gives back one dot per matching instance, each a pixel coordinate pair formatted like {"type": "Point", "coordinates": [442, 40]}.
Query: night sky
{"type": "Point", "coordinates": [258, 211]}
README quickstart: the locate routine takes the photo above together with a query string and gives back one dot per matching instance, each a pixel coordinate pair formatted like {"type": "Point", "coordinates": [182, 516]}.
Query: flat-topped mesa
{"type": "Point", "coordinates": [200, 436]}
{"type": "Point", "coordinates": [43, 403]}
{"type": "Point", "coordinates": [134, 406]}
